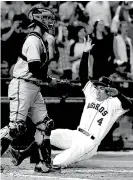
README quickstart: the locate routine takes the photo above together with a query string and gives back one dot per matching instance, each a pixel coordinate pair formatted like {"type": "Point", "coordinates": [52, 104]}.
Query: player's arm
{"type": "Point", "coordinates": [83, 68]}
{"type": "Point", "coordinates": [126, 103]}
{"type": "Point", "coordinates": [38, 72]}
{"type": "Point", "coordinates": [34, 60]}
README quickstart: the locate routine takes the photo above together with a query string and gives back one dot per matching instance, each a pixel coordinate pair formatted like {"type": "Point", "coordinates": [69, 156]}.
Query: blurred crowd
{"type": "Point", "coordinates": [109, 25]}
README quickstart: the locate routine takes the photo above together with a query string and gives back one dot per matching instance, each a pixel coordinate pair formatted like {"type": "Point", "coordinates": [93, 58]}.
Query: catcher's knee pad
{"type": "Point", "coordinates": [43, 130]}
{"type": "Point", "coordinates": [49, 126]}
{"type": "Point", "coordinates": [17, 128]}
{"type": "Point", "coordinates": [46, 125]}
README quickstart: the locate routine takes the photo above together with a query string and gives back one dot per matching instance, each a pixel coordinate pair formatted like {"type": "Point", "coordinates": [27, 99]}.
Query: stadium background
{"type": "Point", "coordinates": [66, 113]}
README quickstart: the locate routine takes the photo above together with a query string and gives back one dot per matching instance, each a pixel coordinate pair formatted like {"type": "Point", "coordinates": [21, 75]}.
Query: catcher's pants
{"type": "Point", "coordinates": [77, 146]}
{"type": "Point", "coordinates": [26, 99]}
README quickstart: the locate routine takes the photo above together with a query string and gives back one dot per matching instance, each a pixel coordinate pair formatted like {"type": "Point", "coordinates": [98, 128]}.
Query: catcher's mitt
{"type": "Point", "coordinates": [64, 87]}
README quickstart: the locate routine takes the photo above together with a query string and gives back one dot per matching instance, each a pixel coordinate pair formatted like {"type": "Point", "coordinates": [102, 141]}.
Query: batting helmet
{"type": "Point", "coordinates": [43, 17]}
{"type": "Point", "coordinates": [111, 89]}
{"type": "Point", "coordinates": [104, 81]}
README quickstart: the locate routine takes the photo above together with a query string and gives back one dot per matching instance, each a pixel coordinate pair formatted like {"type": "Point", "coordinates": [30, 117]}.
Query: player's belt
{"type": "Point", "coordinates": [86, 133]}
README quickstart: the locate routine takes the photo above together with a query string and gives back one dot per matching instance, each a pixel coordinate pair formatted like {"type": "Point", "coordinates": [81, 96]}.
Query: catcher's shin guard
{"type": "Point", "coordinates": [44, 150]}
{"type": "Point", "coordinates": [42, 153]}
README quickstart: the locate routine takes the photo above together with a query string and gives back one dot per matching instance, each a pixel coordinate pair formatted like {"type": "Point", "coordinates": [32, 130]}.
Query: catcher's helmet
{"type": "Point", "coordinates": [43, 17]}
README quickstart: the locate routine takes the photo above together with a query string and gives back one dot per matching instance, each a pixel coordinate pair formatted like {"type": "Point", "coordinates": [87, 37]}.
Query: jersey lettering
{"type": "Point", "coordinates": [101, 109]}
{"type": "Point", "coordinates": [104, 113]}
{"type": "Point", "coordinates": [100, 121]}
{"type": "Point", "coordinates": [97, 107]}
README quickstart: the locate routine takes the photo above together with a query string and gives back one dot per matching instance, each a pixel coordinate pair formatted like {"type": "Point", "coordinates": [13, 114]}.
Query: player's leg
{"type": "Point", "coordinates": [44, 125]}
{"type": "Point", "coordinates": [32, 149]}
{"type": "Point", "coordinates": [79, 148]}
{"type": "Point", "coordinates": [26, 94]}
{"type": "Point", "coordinates": [61, 138]}
{"type": "Point", "coordinates": [91, 151]}
{"type": "Point", "coordinates": [18, 113]}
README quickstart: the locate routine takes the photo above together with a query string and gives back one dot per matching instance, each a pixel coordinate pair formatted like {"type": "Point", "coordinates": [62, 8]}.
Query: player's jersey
{"type": "Point", "coordinates": [99, 116]}
{"type": "Point", "coordinates": [34, 50]}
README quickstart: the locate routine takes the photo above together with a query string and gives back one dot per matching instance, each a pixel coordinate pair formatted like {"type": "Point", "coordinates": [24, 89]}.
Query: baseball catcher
{"type": "Point", "coordinates": [24, 90]}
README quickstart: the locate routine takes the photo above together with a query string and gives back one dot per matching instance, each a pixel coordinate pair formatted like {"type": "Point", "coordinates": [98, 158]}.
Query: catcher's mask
{"type": "Point", "coordinates": [42, 17]}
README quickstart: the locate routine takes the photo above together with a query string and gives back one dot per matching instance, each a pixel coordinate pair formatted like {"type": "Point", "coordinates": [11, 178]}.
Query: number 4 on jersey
{"type": "Point", "coordinates": [100, 121]}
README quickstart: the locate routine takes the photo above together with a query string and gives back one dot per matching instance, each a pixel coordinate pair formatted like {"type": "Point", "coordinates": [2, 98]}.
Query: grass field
{"type": "Point", "coordinates": [103, 166]}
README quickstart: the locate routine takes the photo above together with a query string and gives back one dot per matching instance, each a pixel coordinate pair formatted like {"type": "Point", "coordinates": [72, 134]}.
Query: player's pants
{"type": "Point", "coordinates": [25, 99]}
{"type": "Point", "coordinates": [77, 146]}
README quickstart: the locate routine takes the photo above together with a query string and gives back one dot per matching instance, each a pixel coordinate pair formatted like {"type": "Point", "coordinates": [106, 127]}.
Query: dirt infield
{"type": "Point", "coordinates": [103, 166]}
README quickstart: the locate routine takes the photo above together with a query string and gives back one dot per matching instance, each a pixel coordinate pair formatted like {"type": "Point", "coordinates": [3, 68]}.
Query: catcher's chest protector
{"type": "Point", "coordinates": [44, 56]}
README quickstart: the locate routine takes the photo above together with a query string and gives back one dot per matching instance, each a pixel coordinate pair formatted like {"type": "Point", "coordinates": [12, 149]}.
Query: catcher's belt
{"type": "Point", "coordinates": [37, 83]}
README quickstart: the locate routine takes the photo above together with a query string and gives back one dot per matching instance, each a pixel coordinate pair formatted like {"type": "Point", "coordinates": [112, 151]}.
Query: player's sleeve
{"type": "Point", "coordinates": [125, 102]}
{"type": "Point", "coordinates": [33, 58]}
{"type": "Point", "coordinates": [83, 69]}
{"type": "Point", "coordinates": [34, 49]}
{"type": "Point", "coordinates": [117, 107]}
{"type": "Point", "coordinates": [89, 89]}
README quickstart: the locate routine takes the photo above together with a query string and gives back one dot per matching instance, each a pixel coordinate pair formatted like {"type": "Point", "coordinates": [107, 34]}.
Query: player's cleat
{"type": "Point", "coordinates": [55, 168]}
{"type": "Point", "coordinates": [16, 156]}
{"type": "Point", "coordinates": [42, 168]}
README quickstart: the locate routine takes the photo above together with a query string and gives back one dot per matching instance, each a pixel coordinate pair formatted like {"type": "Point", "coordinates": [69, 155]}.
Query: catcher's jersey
{"type": "Point", "coordinates": [34, 50]}
{"type": "Point", "coordinates": [99, 116]}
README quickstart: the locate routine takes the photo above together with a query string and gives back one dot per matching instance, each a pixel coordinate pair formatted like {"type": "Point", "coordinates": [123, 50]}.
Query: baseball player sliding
{"type": "Point", "coordinates": [24, 91]}
{"type": "Point", "coordinates": [103, 105]}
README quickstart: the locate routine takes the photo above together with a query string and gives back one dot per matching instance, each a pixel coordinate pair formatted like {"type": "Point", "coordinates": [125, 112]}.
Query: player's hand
{"type": "Point", "coordinates": [87, 44]}
{"type": "Point", "coordinates": [112, 91]}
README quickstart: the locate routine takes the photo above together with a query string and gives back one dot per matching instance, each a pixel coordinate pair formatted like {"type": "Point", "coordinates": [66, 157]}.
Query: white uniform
{"type": "Point", "coordinates": [25, 97]}
{"type": "Point", "coordinates": [96, 121]}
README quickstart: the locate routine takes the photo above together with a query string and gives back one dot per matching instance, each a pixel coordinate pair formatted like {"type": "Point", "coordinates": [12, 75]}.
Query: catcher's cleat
{"type": "Point", "coordinates": [42, 168]}
{"type": "Point", "coordinates": [55, 167]}
{"type": "Point", "coordinates": [16, 156]}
